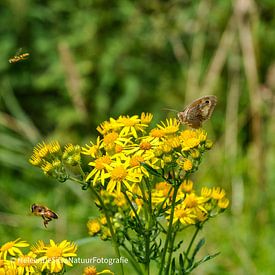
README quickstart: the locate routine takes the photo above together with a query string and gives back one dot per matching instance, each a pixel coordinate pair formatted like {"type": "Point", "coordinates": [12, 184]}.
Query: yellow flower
{"type": "Point", "coordinates": [93, 149]}
{"type": "Point", "coordinates": [146, 118]}
{"type": "Point", "coordinates": [47, 167]}
{"type": "Point", "coordinates": [12, 248]}
{"type": "Point", "coordinates": [54, 147]}
{"type": "Point", "coordinates": [187, 165]}
{"type": "Point", "coordinates": [91, 270]}
{"type": "Point", "coordinates": [120, 199]}
{"type": "Point", "coordinates": [26, 264]}
{"type": "Point", "coordinates": [146, 146]}
{"type": "Point", "coordinates": [99, 170]}
{"type": "Point", "coordinates": [206, 192]}
{"type": "Point", "coordinates": [41, 149]}
{"type": "Point", "coordinates": [121, 173]}
{"type": "Point", "coordinates": [218, 193]}
{"type": "Point", "coordinates": [109, 140]}
{"type": "Point", "coordinates": [183, 215]}
{"type": "Point", "coordinates": [192, 138]}
{"type": "Point", "coordinates": [35, 160]}
{"type": "Point", "coordinates": [171, 126]}
{"type": "Point", "coordinates": [93, 226]}
{"type": "Point", "coordinates": [194, 202]}
{"type": "Point", "coordinates": [187, 186]}
{"type": "Point", "coordinates": [130, 125]}
{"type": "Point", "coordinates": [8, 268]}
{"type": "Point", "coordinates": [55, 255]}
{"type": "Point", "coordinates": [223, 203]}
{"type": "Point", "coordinates": [37, 247]}
{"type": "Point", "coordinates": [157, 133]}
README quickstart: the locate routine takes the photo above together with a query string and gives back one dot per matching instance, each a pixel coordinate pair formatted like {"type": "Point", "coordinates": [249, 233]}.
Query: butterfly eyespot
{"type": "Point", "coordinates": [207, 101]}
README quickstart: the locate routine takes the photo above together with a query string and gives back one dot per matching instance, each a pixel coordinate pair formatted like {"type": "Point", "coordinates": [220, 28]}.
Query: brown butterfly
{"type": "Point", "coordinates": [198, 111]}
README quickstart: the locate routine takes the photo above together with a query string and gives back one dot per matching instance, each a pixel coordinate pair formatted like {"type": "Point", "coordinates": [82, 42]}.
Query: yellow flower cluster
{"type": "Point", "coordinates": [191, 208]}
{"type": "Point", "coordinates": [41, 258]}
{"type": "Point", "coordinates": [127, 142]}
{"type": "Point", "coordinates": [54, 160]}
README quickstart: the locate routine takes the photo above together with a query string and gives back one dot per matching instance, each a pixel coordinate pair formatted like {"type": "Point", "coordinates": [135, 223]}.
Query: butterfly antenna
{"type": "Point", "coordinates": [172, 110]}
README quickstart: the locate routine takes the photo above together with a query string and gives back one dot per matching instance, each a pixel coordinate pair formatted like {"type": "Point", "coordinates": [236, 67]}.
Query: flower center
{"type": "Point", "coordinates": [145, 145]}
{"type": "Point", "coordinates": [110, 138]}
{"type": "Point", "coordinates": [181, 213]}
{"type": "Point", "coordinates": [191, 202]}
{"type": "Point", "coordinates": [100, 163]}
{"type": "Point", "coordinates": [136, 160]}
{"type": "Point", "coordinates": [119, 173]}
{"type": "Point", "coordinates": [24, 261]}
{"type": "Point", "coordinates": [157, 133]}
{"type": "Point", "coordinates": [54, 252]}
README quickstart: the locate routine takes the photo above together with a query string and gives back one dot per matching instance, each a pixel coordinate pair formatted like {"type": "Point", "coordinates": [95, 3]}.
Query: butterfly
{"type": "Point", "coordinates": [198, 111]}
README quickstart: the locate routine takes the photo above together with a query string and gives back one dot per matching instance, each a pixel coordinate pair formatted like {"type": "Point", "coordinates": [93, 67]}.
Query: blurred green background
{"type": "Point", "coordinates": [95, 59]}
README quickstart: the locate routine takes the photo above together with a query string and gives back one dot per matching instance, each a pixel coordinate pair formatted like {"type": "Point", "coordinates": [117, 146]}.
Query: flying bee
{"type": "Point", "coordinates": [19, 56]}
{"type": "Point", "coordinates": [43, 211]}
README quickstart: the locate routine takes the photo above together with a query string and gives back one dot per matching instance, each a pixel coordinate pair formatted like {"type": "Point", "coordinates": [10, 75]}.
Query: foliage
{"type": "Point", "coordinates": [88, 62]}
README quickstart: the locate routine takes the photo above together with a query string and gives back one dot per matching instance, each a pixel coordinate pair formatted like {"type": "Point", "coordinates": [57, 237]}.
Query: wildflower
{"type": "Point", "coordinates": [92, 150]}
{"type": "Point", "coordinates": [109, 140]}
{"type": "Point", "coordinates": [121, 173]}
{"type": "Point", "coordinates": [47, 167]}
{"type": "Point", "coordinates": [37, 247]}
{"type": "Point", "coordinates": [35, 160]}
{"type": "Point", "coordinates": [171, 126]}
{"type": "Point", "coordinates": [208, 144]}
{"type": "Point", "coordinates": [157, 133]}
{"type": "Point", "coordinates": [187, 186]}
{"type": "Point", "coordinates": [195, 202]}
{"type": "Point", "coordinates": [55, 255]}
{"type": "Point", "coordinates": [187, 165]}
{"type": "Point", "coordinates": [41, 149]}
{"type": "Point", "coordinates": [120, 199]}
{"type": "Point", "coordinates": [183, 215]}
{"type": "Point", "coordinates": [218, 193]}
{"type": "Point", "coordinates": [146, 118]}
{"type": "Point", "coordinates": [99, 171]}
{"type": "Point", "coordinates": [91, 270]}
{"type": "Point", "coordinates": [54, 147]}
{"type": "Point", "coordinates": [12, 248]}
{"type": "Point", "coordinates": [93, 227]}
{"type": "Point", "coordinates": [223, 203]}
{"type": "Point", "coordinates": [26, 263]}
{"type": "Point", "coordinates": [130, 125]}
{"type": "Point", "coordinates": [206, 192]}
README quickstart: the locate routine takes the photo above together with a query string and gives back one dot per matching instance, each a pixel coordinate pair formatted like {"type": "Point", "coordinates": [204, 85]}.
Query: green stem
{"type": "Point", "coordinates": [170, 229]}
{"type": "Point", "coordinates": [115, 244]}
{"type": "Point", "coordinates": [171, 246]}
{"type": "Point", "coordinates": [132, 260]}
{"type": "Point", "coordinates": [132, 207]}
{"type": "Point", "coordinates": [191, 243]}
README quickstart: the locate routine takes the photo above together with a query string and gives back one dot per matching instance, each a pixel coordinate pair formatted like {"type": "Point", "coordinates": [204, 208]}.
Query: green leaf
{"type": "Point", "coordinates": [173, 267]}
{"type": "Point", "coordinates": [197, 248]}
{"type": "Point", "coordinates": [151, 170]}
{"type": "Point", "coordinates": [204, 259]}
